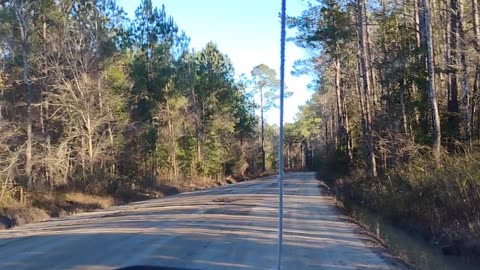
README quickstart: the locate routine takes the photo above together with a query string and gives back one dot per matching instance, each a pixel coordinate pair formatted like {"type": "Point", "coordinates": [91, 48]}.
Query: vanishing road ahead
{"type": "Point", "coordinates": [231, 227]}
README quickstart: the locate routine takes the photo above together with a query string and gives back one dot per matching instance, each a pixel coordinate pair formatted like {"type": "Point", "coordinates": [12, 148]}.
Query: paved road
{"type": "Point", "coordinates": [232, 227]}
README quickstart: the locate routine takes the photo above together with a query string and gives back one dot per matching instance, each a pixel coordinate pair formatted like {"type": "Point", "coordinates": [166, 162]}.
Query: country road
{"type": "Point", "coordinates": [230, 227]}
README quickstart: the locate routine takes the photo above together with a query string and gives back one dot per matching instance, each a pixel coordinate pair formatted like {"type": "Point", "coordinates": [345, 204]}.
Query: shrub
{"type": "Point", "coordinates": [443, 200]}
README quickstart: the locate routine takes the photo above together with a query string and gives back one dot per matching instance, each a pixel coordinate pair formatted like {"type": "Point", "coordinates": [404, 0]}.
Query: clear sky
{"type": "Point", "coordinates": [248, 31]}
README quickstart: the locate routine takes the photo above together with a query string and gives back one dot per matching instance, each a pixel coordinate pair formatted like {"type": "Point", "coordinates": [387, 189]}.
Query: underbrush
{"type": "Point", "coordinates": [19, 215]}
{"type": "Point", "coordinates": [42, 206]}
{"type": "Point", "coordinates": [442, 202]}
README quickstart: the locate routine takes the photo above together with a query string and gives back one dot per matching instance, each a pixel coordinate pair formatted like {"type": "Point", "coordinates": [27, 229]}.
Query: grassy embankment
{"type": "Point", "coordinates": [441, 202]}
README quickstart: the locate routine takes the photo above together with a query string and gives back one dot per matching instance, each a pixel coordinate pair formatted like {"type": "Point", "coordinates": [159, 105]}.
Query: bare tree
{"type": "Point", "coordinates": [23, 14]}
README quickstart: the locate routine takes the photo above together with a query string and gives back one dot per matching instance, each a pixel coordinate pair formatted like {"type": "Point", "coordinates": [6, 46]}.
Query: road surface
{"type": "Point", "coordinates": [231, 227]}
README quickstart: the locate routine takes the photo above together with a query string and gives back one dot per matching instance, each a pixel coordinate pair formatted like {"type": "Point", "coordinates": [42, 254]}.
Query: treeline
{"type": "Point", "coordinates": [397, 105]}
{"type": "Point", "coordinates": [92, 100]}
{"type": "Point", "coordinates": [392, 73]}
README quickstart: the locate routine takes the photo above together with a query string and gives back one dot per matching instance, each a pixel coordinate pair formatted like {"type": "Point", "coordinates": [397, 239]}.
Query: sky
{"type": "Point", "coordinates": [248, 31]}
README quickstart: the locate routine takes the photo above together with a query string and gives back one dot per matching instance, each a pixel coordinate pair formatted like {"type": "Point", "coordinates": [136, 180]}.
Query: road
{"type": "Point", "coordinates": [230, 227]}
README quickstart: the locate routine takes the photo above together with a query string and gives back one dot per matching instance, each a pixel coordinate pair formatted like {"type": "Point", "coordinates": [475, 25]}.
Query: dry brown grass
{"type": "Point", "coordinates": [86, 199]}
{"type": "Point", "coordinates": [20, 215]}
{"type": "Point", "coordinates": [43, 206]}
{"type": "Point", "coordinates": [439, 201]}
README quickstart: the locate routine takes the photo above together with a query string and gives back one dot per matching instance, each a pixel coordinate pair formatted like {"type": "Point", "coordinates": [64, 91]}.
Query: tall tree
{"type": "Point", "coordinates": [266, 83]}
{"type": "Point", "coordinates": [155, 37]}
{"type": "Point", "coordinates": [431, 80]}
{"type": "Point", "coordinates": [464, 78]}
{"type": "Point", "coordinates": [93, 101]}
{"type": "Point", "coordinates": [367, 91]}
{"type": "Point", "coordinates": [327, 29]}
{"type": "Point", "coordinates": [452, 68]}
{"type": "Point", "coordinates": [24, 12]}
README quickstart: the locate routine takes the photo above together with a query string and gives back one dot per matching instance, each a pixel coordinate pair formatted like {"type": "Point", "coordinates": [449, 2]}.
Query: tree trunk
{"type": "Point", "coordinates": [333, 137]}
{"type": "Point", "coordinates": [28, 150]}
{"type": "Point", "coordinates": [302, 156]}
{"type": "Point", "coordinates": [476, 22]}
{"type": "Point", "coordinates": [402, 105]}
{"type": "Point", "coordinates": [465, 92]}
{"type": "Point", "coordinates": [339, 102]}
{"type": "Point", "coordinates": [417, 22]}
{"type": "Point", "coordinates": [366, 87]}
{"type": "Point", "coordinates": [326, 134]}
{"type": "Point", "coordinates": [22, 16]}
{"type": "Point", "coordinates": [46, 120]}
{"type": "Point", "coordinates": [263, 130]}
{"type": "Point", "coordinates": [383, 84]}
{"type": "Point", "coordinates": [88, 126]}
{"type": "Point", "coordinates": [476, 32]}
{"type": "Point", "coordinates": [173, 143]}
{"type": "Point", "coordinates": [452, 105]}
{"type": "Point", "coordinates": [369, 59]}
{"type": "Point", "coordinates": [347, 131]}
{"type": "Point", "coordinates": [112, 145]}
{"type": "Point", "coordinates": [431, 82]}
{"type": "Point", "coordinates": [473, 106]}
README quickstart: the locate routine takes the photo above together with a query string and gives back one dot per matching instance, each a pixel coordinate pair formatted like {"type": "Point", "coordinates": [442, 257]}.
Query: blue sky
{"type": "Point", "coordinates": [248, 31]}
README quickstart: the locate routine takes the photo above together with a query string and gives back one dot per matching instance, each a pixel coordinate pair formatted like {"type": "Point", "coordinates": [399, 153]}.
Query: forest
{"type": "Point", "coordinates": [395, 115]}
{"type": "Point", "coordinates": [98, 108]}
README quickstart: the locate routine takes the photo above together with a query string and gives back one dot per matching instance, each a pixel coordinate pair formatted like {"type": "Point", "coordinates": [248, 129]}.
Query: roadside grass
{"type": "Point", "coordinates": [17, 214]}
{"type": "Point", "coordinates": [442, 202]}
{"type": "Point", "coordinates": [82, 198]}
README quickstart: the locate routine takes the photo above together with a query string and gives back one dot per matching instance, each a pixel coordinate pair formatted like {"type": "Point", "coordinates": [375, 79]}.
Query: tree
{"type": "Point", "coordinates": [265, 81]}
{"type": "Point", "coordinates": [464, 78]}
{"type": "Point", "coordinates": [305, 135]}
{"type": "Point", "coordinates": [452, 70]}
{"type": "Point", "coordinates": [431, 80]}
{"type": "Point", "coordinates": [214, 95]}
{"type": "Point", "coordinates": [93, 101]}
{"type": "Point", "coordinates": [366, 94]}
{"type": "Point", "coordinates": [155, 37]}
{"type": "Point", "coordinates": [23, 13]}
{"type": "Point", "coordinates": [327, 29]}
{"type": "Point", "coordinates": [386, 50]}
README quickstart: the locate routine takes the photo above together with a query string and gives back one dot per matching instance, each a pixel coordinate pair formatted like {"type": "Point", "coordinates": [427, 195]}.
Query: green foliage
{"type": "Point", "coordinates": [266, 84]}
{"type": "Point", "coordinates": [326, 27]}
{"type": "Point", "coordinates": [117, 79]}
{"type": "Point", "coordinates": [118, 104]}
{"type": "Point", "coordinates": [186, 154]}
{"type": "Point", "coordinates": [155, 38]}
{"type": "Point", "coordinates": [305, 133]}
